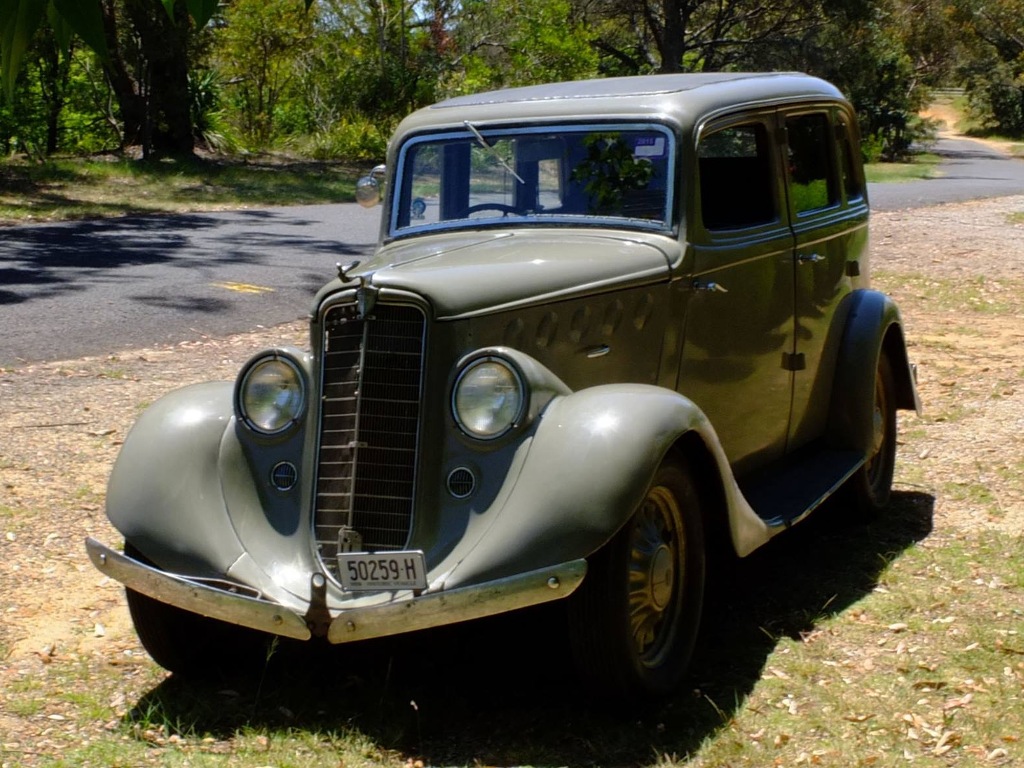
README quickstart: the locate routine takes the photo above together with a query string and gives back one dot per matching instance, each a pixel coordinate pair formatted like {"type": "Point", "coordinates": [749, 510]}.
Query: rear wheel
{"type": "Point", "coordinates": [871, 486]}
{"type": "Point", "coordinates": [190, 644]}
{"type": "Point", "coordinates": [633, 622]}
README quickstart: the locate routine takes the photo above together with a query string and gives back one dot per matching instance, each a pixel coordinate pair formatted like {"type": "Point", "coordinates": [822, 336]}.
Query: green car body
{"type": "Point", "coordinates": [609, 326]}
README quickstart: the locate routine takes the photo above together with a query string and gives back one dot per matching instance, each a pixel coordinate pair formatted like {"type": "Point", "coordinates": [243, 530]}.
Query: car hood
{"type": "Point", "coordinates": [473, 273]}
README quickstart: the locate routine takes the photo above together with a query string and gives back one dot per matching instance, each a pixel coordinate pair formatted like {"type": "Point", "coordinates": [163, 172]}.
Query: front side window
{"type": "Point", "coordinates": [598, 175]}
{"type": "Point", "coordinates": [736, 180]}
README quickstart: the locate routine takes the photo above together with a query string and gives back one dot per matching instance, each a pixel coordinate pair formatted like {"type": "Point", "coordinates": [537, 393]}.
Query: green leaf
{"type": "Point", "coordinates": [19, 20]}
{"type": "Point", "coordinates": [62, 31]}
{"type": "Point", "coordinates": [202, 10]}
{"type": "Point", "coordinates": [85, 17]}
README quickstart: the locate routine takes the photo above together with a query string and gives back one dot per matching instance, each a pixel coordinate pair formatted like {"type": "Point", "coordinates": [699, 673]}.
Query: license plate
{"type": "Point", "coordinates": [363, 571]}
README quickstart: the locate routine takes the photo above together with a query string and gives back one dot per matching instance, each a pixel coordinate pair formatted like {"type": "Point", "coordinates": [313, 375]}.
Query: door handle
{"type": "Point", "coordinates": [810, 258]}
{"type": "Point", "coordinates": [711, 287]}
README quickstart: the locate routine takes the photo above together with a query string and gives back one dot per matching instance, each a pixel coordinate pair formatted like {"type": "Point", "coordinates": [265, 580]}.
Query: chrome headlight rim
{"type": "Point", "coordinates": [511, 420]}
{"type": "Point", "coordinates": [292, 412]}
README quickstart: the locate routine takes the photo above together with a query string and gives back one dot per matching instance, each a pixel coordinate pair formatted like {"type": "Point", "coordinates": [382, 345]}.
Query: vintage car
{"type": "Point", "coordinates": [611, 328]}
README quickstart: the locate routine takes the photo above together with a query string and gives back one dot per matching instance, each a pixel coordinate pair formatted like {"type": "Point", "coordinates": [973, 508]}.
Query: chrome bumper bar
{"type": "Point", "coordinates": [362, 623]}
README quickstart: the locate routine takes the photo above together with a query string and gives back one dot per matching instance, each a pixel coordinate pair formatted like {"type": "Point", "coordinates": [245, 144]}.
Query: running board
{"type": "Point", "coordinates": [787, 494]}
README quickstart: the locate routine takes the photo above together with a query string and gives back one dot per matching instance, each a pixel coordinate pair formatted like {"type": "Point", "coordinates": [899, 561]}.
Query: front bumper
{"type": "Point", "coordinates": [431, 609]}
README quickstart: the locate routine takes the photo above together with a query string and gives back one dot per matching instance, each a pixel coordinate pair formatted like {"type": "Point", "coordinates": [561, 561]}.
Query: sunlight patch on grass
{"type": "Point", "coordinates": [67, 189]}
{"type": "Point", "coordinates": [923, 166]}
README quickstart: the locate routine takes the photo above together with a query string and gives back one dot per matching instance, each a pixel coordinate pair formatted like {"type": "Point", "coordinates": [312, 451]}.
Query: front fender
{"type": "Point", "coordinates": [589, 464]}
{"type": "Point", "coordinates": [164, 494]}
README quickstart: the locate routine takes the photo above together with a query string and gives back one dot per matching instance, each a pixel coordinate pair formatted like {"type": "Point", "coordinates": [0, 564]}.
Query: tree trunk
{"type": "Point", "coordinates": [53, 81]}
{"type": "Point", "coordinates": [152, 91]}
{"type": "Point", "coordinates": [165, 50]}
{"type": "Point", "coordinates": [130, 103]}
{"type": "Point", "coordinates": [672, 42]}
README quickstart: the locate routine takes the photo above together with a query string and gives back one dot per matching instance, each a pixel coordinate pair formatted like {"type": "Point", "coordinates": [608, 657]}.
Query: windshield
{"type": "Point", "coordinates": [613, 175]}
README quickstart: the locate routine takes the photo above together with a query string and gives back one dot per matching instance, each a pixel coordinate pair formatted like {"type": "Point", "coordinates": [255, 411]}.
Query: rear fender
{"type": "Point", "coordinates": [873, 328]}
{"type": "Point", "coordinates": [588, 466]}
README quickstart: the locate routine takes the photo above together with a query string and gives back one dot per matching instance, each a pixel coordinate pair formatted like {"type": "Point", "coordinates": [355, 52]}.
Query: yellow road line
{"type": "Point", "coordinates": [243, 287]}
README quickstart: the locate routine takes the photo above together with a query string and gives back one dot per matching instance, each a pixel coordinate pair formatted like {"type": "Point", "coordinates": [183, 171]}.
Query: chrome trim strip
{"type": "Point", "coordinates": [196, 597]}
{"type": "Point", "coordinates": [460, 604]}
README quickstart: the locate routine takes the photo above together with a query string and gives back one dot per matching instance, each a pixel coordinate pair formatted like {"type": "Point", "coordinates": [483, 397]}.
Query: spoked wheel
{"type": "Point", "coordinates": [634, 620]}
{"type": "Point", "coordinates": [871, 487]}
{"type": "Point", "coordinates": [190, 644]}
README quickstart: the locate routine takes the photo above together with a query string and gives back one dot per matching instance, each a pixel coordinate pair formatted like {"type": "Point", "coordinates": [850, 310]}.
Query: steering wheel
{"type": "Point", "coordinates": [505, 209]}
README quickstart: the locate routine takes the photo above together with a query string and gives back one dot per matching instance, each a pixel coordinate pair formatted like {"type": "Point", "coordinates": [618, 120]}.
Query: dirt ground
{"type": "Point", "coordinates": [955, 270]}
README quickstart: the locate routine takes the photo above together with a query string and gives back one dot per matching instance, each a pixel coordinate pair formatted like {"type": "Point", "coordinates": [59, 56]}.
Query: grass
{"type": "Point", "coordinates": [842, 644]}
{"type": "Point", "coordinates": [923, 166]}
{"type": "Point", "coordinates": [980, 294]}
{"type": "Point", "coordinates": [75, 188]}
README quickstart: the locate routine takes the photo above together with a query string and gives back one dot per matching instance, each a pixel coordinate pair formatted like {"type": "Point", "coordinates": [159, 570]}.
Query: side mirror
{"type": "Point", "coordinates": [368, 187]}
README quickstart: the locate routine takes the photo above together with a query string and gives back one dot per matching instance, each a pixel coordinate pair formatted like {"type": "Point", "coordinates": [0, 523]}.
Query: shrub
{"type": "Point", "coordinates": [353, 139]}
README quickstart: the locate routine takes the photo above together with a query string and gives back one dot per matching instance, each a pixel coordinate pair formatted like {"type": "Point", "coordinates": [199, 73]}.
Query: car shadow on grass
{"type": "Point", "coordinates": [501, 691]}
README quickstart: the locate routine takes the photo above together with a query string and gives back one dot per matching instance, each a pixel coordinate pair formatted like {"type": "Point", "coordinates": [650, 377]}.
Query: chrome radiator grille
{"type": "Point", "coordinates": [372, 371]}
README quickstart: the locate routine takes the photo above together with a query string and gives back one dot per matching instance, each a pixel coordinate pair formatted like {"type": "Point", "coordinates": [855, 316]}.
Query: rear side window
{"type": "Point", "coordinates": [736, 189]}
{"type": "Point", "coordinates": [812, 176]}
{"type": "Point", "coordinates": [848, 163]}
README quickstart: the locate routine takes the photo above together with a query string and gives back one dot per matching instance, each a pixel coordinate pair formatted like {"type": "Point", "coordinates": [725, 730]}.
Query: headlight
{"type": "Point", "coordinates": [272, 395]}
{"type": "Point", "coordinates": [488, 398]}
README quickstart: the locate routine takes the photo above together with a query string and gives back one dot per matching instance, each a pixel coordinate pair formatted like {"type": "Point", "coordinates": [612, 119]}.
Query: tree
{"type": "Point", "coordinates": [701, 35]}
{"type": "Point", "coordinates": [147, 67]}
{"type": "Point", "coordinates": [257, 49]}
{"type": "Point", "coordinates": [500, 43]}
{"type": "Point", "coordinates": [993, 67]}
{"type": "Point", "coordinates": [144, 47]}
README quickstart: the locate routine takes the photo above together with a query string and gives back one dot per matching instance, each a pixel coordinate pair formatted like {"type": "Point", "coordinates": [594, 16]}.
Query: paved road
{"type": "Point", "coordinates": [970, 170]}
{"type": "Point", "coordinates": [84, 288]}
{"type": "Point", "coordinates": [74, 289]}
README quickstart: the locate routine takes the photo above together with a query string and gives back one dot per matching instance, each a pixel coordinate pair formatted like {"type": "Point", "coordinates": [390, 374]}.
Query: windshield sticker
{"type": "Point", "coordinates": [649, 146]}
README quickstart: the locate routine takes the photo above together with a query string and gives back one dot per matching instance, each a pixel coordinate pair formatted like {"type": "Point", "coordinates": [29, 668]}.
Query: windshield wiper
{"type": "Point", "coordinates": [494, 152]}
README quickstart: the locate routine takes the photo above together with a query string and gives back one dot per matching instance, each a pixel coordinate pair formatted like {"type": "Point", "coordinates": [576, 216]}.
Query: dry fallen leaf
{"type": "Point", "coordinates": [859, 718]}
{"type": "Point", "coordinates": [958, 702]}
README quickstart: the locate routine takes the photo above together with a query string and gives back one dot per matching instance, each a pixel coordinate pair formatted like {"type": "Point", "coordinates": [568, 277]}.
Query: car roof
{"type": "Point", "coordinates": [683, 99]}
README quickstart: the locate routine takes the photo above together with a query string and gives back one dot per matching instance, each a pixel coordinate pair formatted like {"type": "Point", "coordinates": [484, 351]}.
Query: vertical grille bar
{"type": "Point", "coordinates": [369, 429]}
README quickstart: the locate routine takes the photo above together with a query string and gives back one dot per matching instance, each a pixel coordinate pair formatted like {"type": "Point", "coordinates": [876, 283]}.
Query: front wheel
{"type": "Point", "coordinates": [633, 622]}
{"type": "Point", "coordinates": [190, 644]}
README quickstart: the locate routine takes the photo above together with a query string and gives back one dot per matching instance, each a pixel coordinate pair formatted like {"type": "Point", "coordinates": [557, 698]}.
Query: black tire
{"type": "Point", "coordinates": [634, 620]}
{"type": "Point", "coordinates": [870, 488]}
{"type": "Point", "coordinates": [192, 645]}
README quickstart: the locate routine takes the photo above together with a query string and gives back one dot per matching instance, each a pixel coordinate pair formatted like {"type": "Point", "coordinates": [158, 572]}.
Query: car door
{"type": "Point", "coordinates": [828, 213]}
{"type": "Point", "coordinates": [739, 328]}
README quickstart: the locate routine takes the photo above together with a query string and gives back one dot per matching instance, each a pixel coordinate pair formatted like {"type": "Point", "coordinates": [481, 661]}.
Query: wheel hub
{"type": "Point", "coordinates": [653, 573]}
{"type": "Point", "coordinates": [660, 577]}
